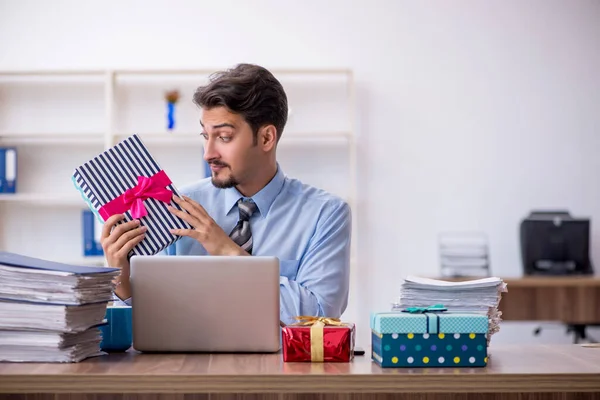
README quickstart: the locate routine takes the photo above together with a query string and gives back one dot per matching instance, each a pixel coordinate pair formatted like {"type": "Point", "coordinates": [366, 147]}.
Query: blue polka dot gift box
{"type": "Point", "coordinates": [433, 339]}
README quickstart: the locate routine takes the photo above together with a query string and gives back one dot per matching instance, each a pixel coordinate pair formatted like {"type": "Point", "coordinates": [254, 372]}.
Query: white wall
{"type": "Point", "coordinates": [471, 113]}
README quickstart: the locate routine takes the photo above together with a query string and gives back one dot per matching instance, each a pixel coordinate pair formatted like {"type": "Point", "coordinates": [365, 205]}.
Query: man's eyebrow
{"type": "Point", "coordinates": [223, 125]}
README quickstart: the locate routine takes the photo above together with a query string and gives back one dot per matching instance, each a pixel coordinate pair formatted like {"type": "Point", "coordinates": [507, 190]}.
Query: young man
{"type": "Point", "coordinates": [248, 206]}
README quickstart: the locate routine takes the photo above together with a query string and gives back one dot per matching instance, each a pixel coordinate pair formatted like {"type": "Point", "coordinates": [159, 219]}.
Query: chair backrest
{"type": "Point", "coordinates": [464, 254]}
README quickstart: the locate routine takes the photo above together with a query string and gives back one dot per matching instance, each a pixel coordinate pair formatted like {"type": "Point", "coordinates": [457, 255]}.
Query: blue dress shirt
{"type": "Point", "coordinates": [308, 229]}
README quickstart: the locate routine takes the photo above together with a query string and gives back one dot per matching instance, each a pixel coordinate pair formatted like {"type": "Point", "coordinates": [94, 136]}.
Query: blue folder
{"type": "Point", "coordinates": [2, 170]}
{"type": "Point", "coordinates": [91, 231]}
{"type": "Point", "coordinates": [8, 170]}
{"type": "Point", "coordinates": [18, 260]}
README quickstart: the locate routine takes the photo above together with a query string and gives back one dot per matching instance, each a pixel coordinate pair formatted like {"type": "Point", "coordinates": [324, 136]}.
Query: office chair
{"type": "Point", "coordinates": [579, 333]}
{"type": "Point", "coordinates": [464, 254]}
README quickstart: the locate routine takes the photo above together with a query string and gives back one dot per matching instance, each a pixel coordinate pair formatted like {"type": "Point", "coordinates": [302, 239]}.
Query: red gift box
{"type": "Point", "coordinates": [318, 339]}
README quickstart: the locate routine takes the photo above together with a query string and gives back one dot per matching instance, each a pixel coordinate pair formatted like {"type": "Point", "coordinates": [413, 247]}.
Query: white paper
{"type": "Point", "coordinates": [480, 296]}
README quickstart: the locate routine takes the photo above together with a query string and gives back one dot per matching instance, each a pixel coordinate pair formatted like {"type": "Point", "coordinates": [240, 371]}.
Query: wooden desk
{"type": "Point", "coordinates": [524, 372]}
{"type": "Point", "coordinates": [572, 300]}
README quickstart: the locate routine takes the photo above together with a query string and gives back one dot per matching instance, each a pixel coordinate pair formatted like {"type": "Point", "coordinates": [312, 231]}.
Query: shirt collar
{"type": "Point", "coordinates": [263, 199]}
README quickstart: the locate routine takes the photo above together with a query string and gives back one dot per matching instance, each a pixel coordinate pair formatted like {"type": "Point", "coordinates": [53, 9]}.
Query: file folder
{"type": "Point", "coordinates": [8, 170]}
{"type": "Point", "coordinates": [92, 230]}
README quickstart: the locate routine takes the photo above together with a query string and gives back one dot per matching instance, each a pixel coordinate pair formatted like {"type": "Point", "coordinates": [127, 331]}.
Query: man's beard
{"type": "Point", "coordinates": [224, 184]}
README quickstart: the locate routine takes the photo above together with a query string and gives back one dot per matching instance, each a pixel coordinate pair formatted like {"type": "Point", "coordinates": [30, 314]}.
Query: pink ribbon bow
{"type": "Point", "coordinates": [133, 199]}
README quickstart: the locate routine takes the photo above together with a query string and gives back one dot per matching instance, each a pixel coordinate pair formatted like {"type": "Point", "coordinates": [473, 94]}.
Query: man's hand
{"type": "Point", "coordinates": [117, 244]}
{"type": "Point", "coordinates": [205, 229]}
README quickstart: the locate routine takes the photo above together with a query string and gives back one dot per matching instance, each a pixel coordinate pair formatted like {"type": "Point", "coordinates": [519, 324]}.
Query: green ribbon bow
{"type": "Point", "coordinates": [420, 310]}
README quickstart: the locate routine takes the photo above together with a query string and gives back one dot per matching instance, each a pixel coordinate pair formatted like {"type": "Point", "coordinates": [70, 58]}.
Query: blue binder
{"type": "Point", "coordinates": [91, 234]}
{"type": "Point", "coordinates": [18, 260]}
{"type": "Point", "coordinates": [8, 170]}
{"type": "Point", "coordinates": [2, 170]}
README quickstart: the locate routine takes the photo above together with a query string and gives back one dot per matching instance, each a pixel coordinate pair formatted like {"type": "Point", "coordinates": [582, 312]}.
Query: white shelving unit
{"type": "Point", "coordinates": [59, 119]}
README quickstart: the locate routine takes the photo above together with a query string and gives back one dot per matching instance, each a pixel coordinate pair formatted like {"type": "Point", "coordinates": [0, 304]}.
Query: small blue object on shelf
{"type": "Point", "coordinates": [421, 338]}
{"type": "Point", "coordinates": [171, 116]}
{"type": "Point", "coordinates": [92, 230]}
{"type": "Point", "coordinates": [171, 97]}
{"type": "Point", "coordinates": [8, 170]}
{"type": "Point", "coordinates": [117, 332]}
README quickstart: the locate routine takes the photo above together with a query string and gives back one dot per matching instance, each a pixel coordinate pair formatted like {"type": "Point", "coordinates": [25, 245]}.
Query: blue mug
{"type": "Point", "coordinates": [116, 334]}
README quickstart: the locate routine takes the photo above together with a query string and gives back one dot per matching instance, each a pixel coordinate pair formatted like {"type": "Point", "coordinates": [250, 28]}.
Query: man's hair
{"type": "Point", "coordinates": [248, 90]}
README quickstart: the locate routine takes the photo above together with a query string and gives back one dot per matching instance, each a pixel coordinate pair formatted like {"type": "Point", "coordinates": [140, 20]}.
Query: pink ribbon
{"type": "Point", "coordinates": [133, 199]}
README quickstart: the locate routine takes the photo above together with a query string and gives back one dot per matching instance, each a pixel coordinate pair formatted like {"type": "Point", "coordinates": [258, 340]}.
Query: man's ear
{"type": "Point", "coordinates": [267, 137]}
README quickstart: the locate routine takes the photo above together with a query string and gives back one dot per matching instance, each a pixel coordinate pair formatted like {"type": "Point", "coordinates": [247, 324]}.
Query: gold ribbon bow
{"type": "Point", "coordinates": [316, 333]}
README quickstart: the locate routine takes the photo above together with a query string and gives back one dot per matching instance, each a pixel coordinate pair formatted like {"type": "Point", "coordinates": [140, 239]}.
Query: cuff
{"type": "Point", "coordinates": [119, 302]}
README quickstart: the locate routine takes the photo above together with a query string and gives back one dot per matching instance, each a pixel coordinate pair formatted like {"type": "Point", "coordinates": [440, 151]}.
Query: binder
{"type": "Point", "coordinates": [91, 234]}
{"type": "Point", "coordinates": [18, 260]}
{"type": "Point", "coordinates": [8, 170]}
{"type": "Point", "coordinates": [2, 169]}
{"type": "Point", "coordinates": [28, 279]}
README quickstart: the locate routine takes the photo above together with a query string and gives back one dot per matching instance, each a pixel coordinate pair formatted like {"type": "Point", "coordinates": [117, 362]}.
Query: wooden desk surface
{"type": "Point", "coordinates": [569, 299]}
{"type": "Point", "coordinates": [535, 281]}
{"type": "Point", "coordinates": [512, 369]}
{"type": "Point", "coordinates": [553, 281]}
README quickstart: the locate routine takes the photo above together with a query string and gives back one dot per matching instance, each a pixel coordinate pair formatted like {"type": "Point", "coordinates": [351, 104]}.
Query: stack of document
{"type": "Point", "coordinates": [49, 312]}
{"type": "Point", "coordinates": [481, 296]}
{"type": "Point", "coordinates": [49, 346]}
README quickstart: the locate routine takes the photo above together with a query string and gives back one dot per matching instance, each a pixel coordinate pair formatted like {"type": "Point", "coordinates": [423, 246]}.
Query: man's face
{"type": "Point", "coordinates": [229, 147]}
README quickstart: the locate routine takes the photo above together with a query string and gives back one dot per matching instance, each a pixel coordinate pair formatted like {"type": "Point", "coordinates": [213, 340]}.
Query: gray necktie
{"type": "Point", "coordinates": [241, 233]}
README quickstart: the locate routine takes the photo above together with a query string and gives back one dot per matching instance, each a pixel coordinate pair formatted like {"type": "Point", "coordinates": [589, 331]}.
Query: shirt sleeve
{"type": "Point", "coordinates": [322, 283]}
{"type": "Point", "coordinates": [117, 301]}
{"type": "Point", "coordinates": [127, 302]}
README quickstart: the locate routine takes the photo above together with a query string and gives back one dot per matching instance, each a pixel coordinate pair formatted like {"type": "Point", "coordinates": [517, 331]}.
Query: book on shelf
{"type": "Point", "coordinates": [8, 170]}
{"type": "Point", "coordinates": [92, 230]}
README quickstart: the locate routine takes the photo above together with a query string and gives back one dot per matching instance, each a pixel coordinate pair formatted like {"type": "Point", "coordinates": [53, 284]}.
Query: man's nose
{"type": "Point", "coordinates": [210, 152]}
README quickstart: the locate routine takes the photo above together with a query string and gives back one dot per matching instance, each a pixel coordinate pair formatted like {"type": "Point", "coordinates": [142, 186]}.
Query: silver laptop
{"type": "Point", "coordinates": [205, 303]}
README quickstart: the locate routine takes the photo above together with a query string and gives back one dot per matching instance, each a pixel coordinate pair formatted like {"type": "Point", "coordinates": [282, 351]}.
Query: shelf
{"type": "Point", "coordinates": [299, 139]}
{"type": "Point", "coordinates": [208, 71]}
{"type": "Point", "coordinates": [61, 118]}
{"type": "Point", "coordinates": [64, 72]}
{"type": "Point", "coordinates": [300, 71]}
{"type": "Point", "coordinates": [167, 138]}
{"type": "Point", "coordinates": [45, 200]}
{"type": "Point", "coordinates": [69, 77]}
{"type": "Point", "coordinates": [30, 138]}
{"type": "Point", "coordinates": [285, 76]}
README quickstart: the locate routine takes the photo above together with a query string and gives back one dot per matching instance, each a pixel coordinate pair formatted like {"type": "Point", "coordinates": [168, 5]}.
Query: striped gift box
{"type": "Point", "coordinates": [109, 175]}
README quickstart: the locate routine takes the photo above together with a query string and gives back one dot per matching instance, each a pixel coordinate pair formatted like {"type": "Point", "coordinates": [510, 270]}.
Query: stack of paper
{"type": "Point", "coordinates": [49, 312]}
{"type": "Point", "coordinates": [481, 296]}
{"type": "Point", "coordinates": [49, 346]}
